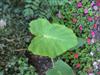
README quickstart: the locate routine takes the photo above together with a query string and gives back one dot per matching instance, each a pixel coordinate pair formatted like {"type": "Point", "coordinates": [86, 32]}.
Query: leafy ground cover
{"type": "Point", "coordinates": [82, 16]}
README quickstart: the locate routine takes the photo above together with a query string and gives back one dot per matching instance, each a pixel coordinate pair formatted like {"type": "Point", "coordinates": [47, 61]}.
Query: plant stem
{"type": "Point", "coordinates": [52, 62]}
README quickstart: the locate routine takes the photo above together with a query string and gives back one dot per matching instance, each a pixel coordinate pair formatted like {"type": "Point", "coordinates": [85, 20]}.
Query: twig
{"type": "Point", "coordinates": [20, 49]}
{"type": "Point", "coordinates": [9, 40]}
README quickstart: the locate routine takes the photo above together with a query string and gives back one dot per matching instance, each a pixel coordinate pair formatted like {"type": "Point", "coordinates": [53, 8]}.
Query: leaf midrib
{"type": "Point", "coordinates": [54, 38]}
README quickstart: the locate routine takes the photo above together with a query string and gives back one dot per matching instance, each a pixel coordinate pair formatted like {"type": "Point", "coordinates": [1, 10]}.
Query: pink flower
{"type": "Point", "coordinates": [98, 73]}
{"type": "Point", "coordinates": [78, 65]}
{"type": "Point", "coordinates": [98, 2]}
{"type": "Point", "coordinates": [79, 4]}
{"type": "Point", "coordinates": [80, 27]}
{"type": "Point", "coordinates": [88, 40]}
{"type": "Point", "coordinates": [92, 33]}
{"type": "Point", "coordinates": [85, 11]}
{"type": "Point", "coordinates": [95, 26]}
{"type": "Point", "coordinates": [90, 19]}
{"type": "Point", "coordinates": [92, 3]}
{"type": "Point", "coordinates": [76, 55]}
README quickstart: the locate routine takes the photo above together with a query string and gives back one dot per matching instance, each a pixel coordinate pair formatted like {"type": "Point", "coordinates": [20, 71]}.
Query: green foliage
{"type": "Point", "coordinates": [28, 12]}
{"type": "Point", "coordinates": [81, 42]}
{"type": "Point", "coordinates": [51, 39]}
{"type": "Point", "coordinates": [83, 73]}
{"type": "Point", "coordinates": [42, 8]}
{"type": "Point", "coordinates": [18, 67]}
{"type": "Point", "coordinates": [28, 1]}
{"type": "Point", "coordinates": [73, 17]}
{"type": "Point", "coordinates": [57, 2]}
{"type": "Point", "coordinates": [60, 68]}
{"type": "Point", "coordinates": [36, 8]}
{"type": "Point", "coordinates": [24, 68]}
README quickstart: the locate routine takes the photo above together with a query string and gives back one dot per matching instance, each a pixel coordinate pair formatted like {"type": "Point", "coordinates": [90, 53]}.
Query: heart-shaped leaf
{"type": "Point", "coordinates": [51, 39]}
{"type": "Point", "coordinates": [60, 68]}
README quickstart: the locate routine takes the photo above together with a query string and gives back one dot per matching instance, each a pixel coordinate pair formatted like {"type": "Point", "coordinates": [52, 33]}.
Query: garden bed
{"type": "Point", "coordinates": [81, 16]}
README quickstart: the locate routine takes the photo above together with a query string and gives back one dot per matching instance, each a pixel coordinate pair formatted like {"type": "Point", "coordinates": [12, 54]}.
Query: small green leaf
{"type": "Point", "coordinates": [28, 1]}
{"type": "Point", "coordinates": [60, 68]}
{"type": "Point", "coordinates": [83, 73]}
{"type": "Point", "coordinates": [57, 2]}
{"type": "Point", "coordinates": [85, 1]}
{"type": "Point", "coordinates": [81, 42]}
{"type": "Point", "coordinates": [28, 12]}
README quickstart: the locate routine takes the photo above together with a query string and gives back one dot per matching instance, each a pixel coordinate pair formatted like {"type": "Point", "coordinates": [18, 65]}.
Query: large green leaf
{"type": "Point", "coordinates": [51, 39]}
{"type": "Point", "coordinates": [60, 68]}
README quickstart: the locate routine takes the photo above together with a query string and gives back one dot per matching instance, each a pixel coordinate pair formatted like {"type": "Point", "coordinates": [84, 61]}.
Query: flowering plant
{"type": "Point", "coordinates": [80, 16]}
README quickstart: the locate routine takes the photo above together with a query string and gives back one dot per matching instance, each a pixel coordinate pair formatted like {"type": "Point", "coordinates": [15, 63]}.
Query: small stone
{"type": "Point", "coordinates": [2, 24]}
{"type": "Point", "coordinates": [95, 63]}
{"type": "Point", "coordinates": [98, 60]}
{"type": "Point", "coordinates": [59, 15]}
{"type": "Point", "coordinates": [92, 41]}
{"type": "Point", "coordinates": [91, 53]}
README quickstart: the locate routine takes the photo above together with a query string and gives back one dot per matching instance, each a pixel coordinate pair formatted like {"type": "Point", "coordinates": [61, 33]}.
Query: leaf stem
{"type": "Point", "coordinates": [52, 62]}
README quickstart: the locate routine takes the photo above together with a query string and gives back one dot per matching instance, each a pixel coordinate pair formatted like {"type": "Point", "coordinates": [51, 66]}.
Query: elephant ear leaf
{"type": "Point", "coordinates": [50, 39]}
{"type": "Point", "coordinates": [60, 68]}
